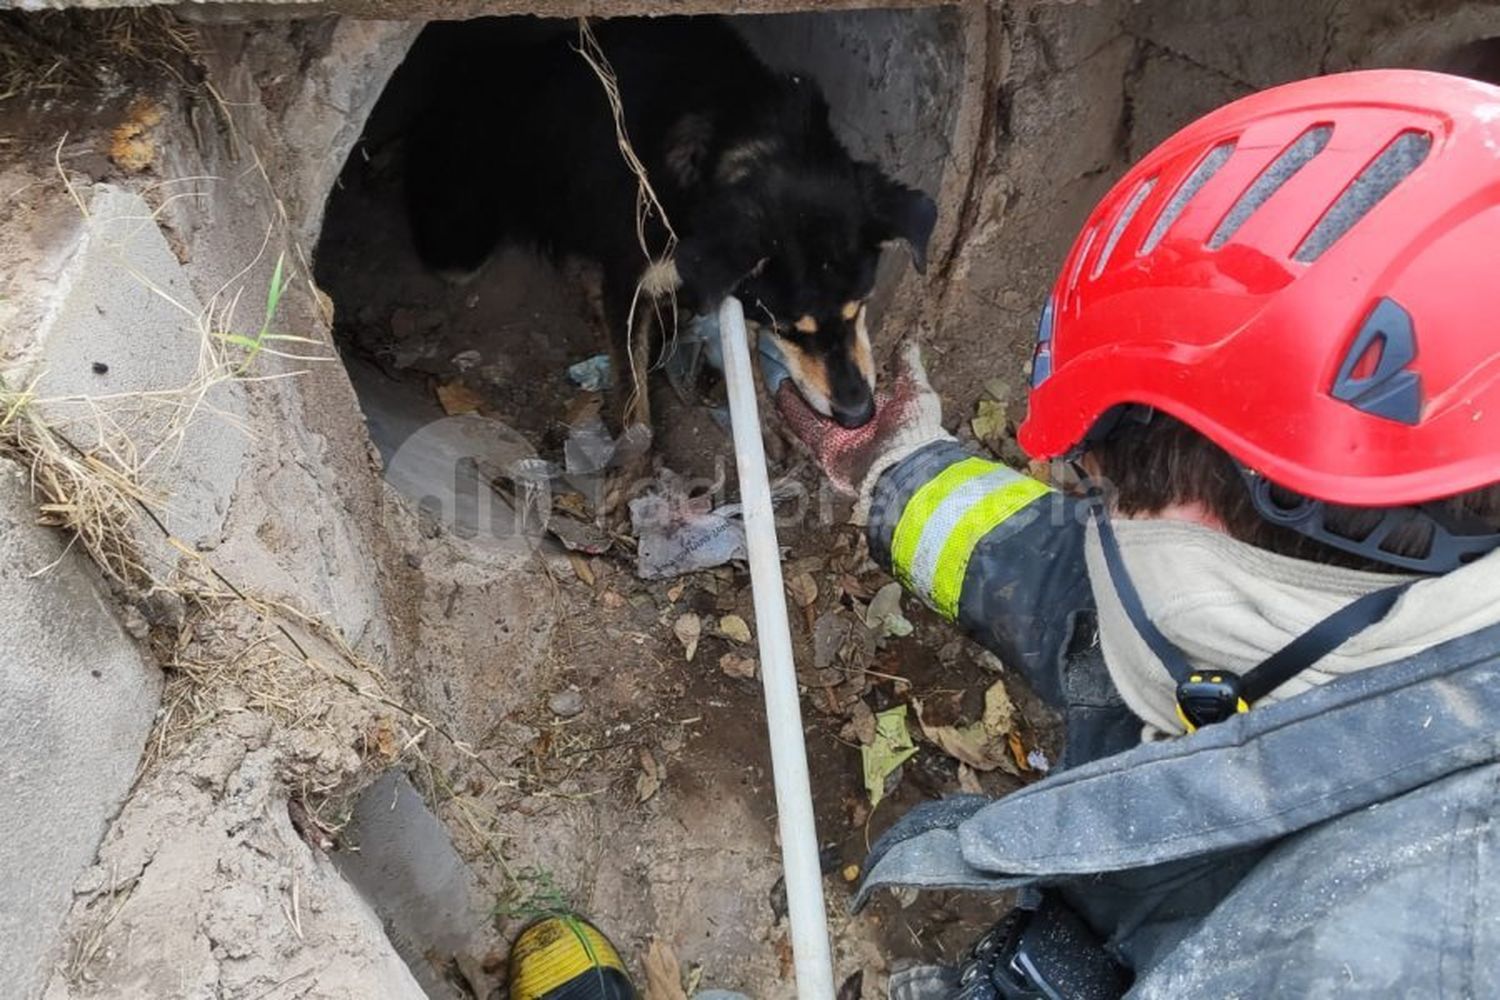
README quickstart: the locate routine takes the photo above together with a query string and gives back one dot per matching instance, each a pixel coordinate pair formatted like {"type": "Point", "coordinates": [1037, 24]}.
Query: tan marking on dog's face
{"type": "Point", "coordinates": [806, 324]}
{"type": "Point", "coordinates": [809, 375]}
{"type": "Point", "coordinates": [864, 356]}
{"type": "Point", "coordinates": [851, 309]}
{"type": "Point", "coordinates": [661, 279]}
{"type": "Point", "coordinates": [739, 162]}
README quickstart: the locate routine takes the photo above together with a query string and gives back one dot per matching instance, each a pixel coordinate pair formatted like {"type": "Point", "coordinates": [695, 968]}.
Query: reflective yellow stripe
{"type": "Point", "coordinates": [920, 507]}
{"type": "Point", "coordinates": [554, 952]}
{"type": "Point", "coordinates": [978, 521]}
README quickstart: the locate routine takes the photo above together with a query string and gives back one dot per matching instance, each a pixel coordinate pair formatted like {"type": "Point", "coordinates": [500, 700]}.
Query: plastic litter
{"type": "Point", "coordinates": [592, 374]}
{"type": "Point", "coordinates": [678, 533]}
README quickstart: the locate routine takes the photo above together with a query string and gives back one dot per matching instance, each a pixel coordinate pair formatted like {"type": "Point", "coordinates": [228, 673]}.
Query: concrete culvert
{"type": "Point", "coordinates": [226, 382]}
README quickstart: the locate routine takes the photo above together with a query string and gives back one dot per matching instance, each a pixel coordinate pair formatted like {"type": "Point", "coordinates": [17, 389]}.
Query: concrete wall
{"type": "Point", "coordinates": [79, 701]}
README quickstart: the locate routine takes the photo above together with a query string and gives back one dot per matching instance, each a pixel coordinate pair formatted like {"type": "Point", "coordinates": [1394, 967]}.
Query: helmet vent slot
{"type": "Point", "coordinates": [1292, 159]}
{"type": "Point", "coordinates": [1379, 178]}
{"type": "Point", "coordinates": [1131, 207]}
{"type": "Point", "coordinates": [1201, 175]}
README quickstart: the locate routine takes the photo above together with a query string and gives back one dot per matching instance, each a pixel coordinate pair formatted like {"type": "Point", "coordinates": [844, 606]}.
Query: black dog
{"type": "Point", "coordinates": [520, 145]}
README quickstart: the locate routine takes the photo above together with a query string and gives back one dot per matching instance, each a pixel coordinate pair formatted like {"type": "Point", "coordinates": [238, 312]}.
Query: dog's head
{"type": "Point", "coordinates": [795, 228]}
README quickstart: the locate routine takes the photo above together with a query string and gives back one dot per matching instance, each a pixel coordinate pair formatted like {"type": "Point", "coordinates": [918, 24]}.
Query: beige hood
{"type": "Point", "coordinates": [1230, 605]}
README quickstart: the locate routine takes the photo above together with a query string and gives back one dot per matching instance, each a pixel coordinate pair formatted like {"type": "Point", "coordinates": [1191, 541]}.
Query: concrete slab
{"type": "Point", "coordinates": [79, 702]}
{"type": "Point", "coordinates": [406, 868]}
{"type": "Point", "coordinates": [123, 365]}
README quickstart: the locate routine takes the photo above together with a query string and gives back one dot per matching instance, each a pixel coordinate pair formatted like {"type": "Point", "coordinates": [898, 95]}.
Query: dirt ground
{"type": "Point", "coordinates": [651, 808]}
{"type": "Point", "coordinates": [545, 703]}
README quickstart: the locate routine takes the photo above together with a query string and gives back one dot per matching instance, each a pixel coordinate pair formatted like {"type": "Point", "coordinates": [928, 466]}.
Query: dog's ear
{"type": "Point", "coordinates": [898, 212]}
{"type": "Point", "coordinates": [712, 267]}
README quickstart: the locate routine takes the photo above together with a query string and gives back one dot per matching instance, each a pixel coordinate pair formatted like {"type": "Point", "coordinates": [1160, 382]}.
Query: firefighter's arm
{"type": "Point", "coordinates": [988, 548]}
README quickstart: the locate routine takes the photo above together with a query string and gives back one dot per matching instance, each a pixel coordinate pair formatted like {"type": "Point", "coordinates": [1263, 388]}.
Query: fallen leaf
{"type": "Point", "coordinates": [1018, 751]}
{"type": "Point", "coordinates": [989, 420]}
{"type": "Point", "coordinates": [998, 389]}
{"type": "Point", "coordinates": [971, 745]}
{"type": "Point", "coordinates": [863, 721]}
{"type": "Point", "coordinates": [457, 399]}
{"type": "Point", "coordinates": [852, 586]}
{"type": "Point", "coordinates": [891, 748]}
{"type": "Point", "coordinates": [968, 780]}
{"type": "Point", "coordinates": [649, 780]}
{"type": "Point", "coordinates": [688, 629]}
{"type": "Point", "coordinates": [999, 712]}
{"type": "Point", "coordinates": [383, 735]}
{"type": "Point", "coordinates": [734, 627]}
{"type": "Point", "coordinates": [581, 568]}
{"type": "Point", "coordinates": [743, 667]}
{"type": "Point", "coordinates": [663, 972]}
{"type": "Point", "coordinates": [612, 599]}
{"type": "Point", "coordinates": [986, 745]}
{"type": "Point", "coordinates": [803, 588]}
{"type": "Point", "coordinates": [675, 591]}
{"type": "Point", "coordinates": [884, 616]}
{"type": "Point", "coordinates": [784, 957]}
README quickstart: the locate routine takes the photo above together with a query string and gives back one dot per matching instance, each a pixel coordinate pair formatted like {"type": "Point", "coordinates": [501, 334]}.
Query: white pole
{"type": "Point", "coordinates": [794, 804]}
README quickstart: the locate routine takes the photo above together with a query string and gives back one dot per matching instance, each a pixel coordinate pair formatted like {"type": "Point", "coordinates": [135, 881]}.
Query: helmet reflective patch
{"type": "Point", "coordinates": [1201, 175]}
{"type": "Point", "coordinates": [1394, 164]}
{"type": "Point", "coordinates": [1292, 159]}
{"type": "Point", "coordinates": [1375, 376]}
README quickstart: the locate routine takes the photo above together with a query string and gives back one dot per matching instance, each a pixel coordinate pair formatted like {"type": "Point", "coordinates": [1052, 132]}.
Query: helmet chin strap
{"type": "Point", "coordinates": [1206, 696]}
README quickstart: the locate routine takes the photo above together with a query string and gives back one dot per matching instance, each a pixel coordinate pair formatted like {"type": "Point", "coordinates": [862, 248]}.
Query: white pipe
{"type": "Point", "coordinates": [794, 804]}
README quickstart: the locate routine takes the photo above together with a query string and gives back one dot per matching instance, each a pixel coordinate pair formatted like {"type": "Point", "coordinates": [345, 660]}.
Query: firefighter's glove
{"type": "Point", "coordinates": [908, 417]}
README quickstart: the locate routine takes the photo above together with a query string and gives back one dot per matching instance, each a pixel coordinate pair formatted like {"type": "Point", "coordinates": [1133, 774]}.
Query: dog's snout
{"type": "Point", "coordinates": [855, 414]}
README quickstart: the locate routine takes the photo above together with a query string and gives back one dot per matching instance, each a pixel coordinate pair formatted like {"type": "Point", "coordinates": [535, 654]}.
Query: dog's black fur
{"type": "Point", "coordinates": [520, 146]}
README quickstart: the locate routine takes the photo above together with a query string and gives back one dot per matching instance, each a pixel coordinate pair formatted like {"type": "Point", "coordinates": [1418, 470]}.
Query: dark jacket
{"type": "Point", "coordinates": [1339, 843]}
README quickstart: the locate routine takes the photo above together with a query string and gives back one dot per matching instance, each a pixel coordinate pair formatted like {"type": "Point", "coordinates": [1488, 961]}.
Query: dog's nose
{"type": "Point", "coordinates": [857, 415]}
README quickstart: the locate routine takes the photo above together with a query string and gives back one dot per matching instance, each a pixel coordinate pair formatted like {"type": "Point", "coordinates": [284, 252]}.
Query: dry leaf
{"type": "Point", "coordinates": [851, 585]}
{"type": "Point", "coordinates": [863, 722]}
{"type": "Point", "coordinates": [989, 420]}
{"type": "Point", "coordinates": [983, 745]}
{"type": "Point", "coordinates": [884, 616]}
{"type": "Point", "coordinates": [968, 780]}
{"type": "Point", "coordinates": [385, 739]}
{"type": "Point", "coordinates": [675, 591]}
{"type": "Point", "coordinates": [649, 780]}
{"type": "Point", "coordinates": [803, 588]}
{"type": "Point", "coordinates": [1018, 751]}
{"type": "Point", "coordinates": [457, 399]}
{"type": "Point", "coordinates": [581, 568]}
{"type": "Point", "coordinates": [688, 629]}
{"type": "Point", "coordinates": [611, 599]}
{"type": "Point", "coordinates": [999, 712]}
{"type": "Point", "coordinates": [743, 667]}
{"type": "Point", "coordinates": [734, 627]}
{"type": "Point", "coordinates": [663, 972]}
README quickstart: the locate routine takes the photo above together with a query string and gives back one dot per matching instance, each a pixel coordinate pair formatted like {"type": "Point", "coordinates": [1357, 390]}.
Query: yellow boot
{"type": "Point", "coordinates": [566, 958]}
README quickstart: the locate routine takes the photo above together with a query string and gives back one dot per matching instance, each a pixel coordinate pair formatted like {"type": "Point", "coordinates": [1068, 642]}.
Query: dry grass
{"type": "Point", "coordinates": [648, 207]}
{"type": "Point", "coordinates": [48, 53]}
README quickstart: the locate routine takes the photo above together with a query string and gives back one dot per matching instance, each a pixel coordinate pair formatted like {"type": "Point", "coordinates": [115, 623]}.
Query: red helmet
{"type": "Point", "coordinates": [1310, 277]}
